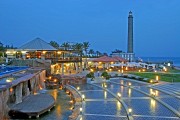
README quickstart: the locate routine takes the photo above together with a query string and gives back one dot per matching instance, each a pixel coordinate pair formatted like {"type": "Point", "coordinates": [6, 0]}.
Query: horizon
{"type": "Point", "coordinates": [101, 23]}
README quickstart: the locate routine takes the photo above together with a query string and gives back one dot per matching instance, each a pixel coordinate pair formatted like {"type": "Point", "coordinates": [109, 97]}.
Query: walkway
{"type": "Point", "coordinates": [138, 101]}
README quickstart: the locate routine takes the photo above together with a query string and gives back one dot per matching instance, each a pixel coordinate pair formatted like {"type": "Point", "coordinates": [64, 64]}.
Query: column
{"type": "Point", "coordinates": [62, 66]}
{"type": "Point", "coordinates": [18, 93]}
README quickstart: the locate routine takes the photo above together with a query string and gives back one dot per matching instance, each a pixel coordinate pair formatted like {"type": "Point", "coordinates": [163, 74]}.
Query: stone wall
{"type": "Point", "coordinates": [4, 96]}
{"type": "Point", "coordinates": [73, 80]}
{"type": "Point", "coordinates": [18, 89]}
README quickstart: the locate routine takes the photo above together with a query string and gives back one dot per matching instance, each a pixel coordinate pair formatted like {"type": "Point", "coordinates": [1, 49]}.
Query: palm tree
{"type": "Point", "coordinates": [85, 47]}
{"type": "Point", "coordinates": [105, 54]}
{"type": "Point", "coordinates": [91, 52]}
{"type": "Point", "coordinates": [2, 50]}
{"type": "Point", "coordinates": [79, 48]}
{"type": "Point", "coordinates": [98, 53]}
{"type": "Point", "coordinates": [117, 51]}
{"type": "Point", "coordinates": [65, 45]}
{"type": "Point", "coordinates": [54, 44]}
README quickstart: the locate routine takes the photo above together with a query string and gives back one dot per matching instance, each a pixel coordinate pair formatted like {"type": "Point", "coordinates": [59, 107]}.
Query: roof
{"type": "Point", "coordinates": [90, 59]}
{"type": "Point", "coordinates": [105, 59]}
{"type": "Point", "coordinates": [120, 59]}
{"type": "Point", "coordinates": [37, 44]}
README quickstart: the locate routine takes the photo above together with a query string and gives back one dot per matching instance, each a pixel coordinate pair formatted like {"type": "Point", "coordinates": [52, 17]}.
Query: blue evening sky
{"type": "Point", "coordinates": [101, 22]}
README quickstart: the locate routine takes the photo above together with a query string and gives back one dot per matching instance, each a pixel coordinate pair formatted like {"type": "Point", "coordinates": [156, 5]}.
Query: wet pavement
{"type": "Point", "coordinates": [62, 109]}
{"type": "Point", "coordinates": [135, 103]}
{"type": "Point", "coordinates": [138, 102]}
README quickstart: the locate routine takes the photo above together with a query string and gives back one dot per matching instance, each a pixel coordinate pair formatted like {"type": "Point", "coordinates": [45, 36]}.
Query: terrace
{"type": "Point", "coordinates": [127, 99]}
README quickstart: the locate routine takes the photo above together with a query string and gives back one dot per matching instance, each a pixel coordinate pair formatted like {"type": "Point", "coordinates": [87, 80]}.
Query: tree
{"type": "Point", "coordinates": [98, 53]}
{"type": "Point", "coordinates": [91, 52]}
{"type": "Point", "coordinates": [117, 51]}
{"type": "Point", "coordinates": [85, 47]}
{"type": "Point", "coordinates": [54, 44]}
{"type": "Point", "coordinates": [79, 48]}
{"type": "Point", "coordinates": [2, 51]}
{"type": "Point", "coordinates": [65, 45]}
{"type": "Point", "coordinates": [105, 54]}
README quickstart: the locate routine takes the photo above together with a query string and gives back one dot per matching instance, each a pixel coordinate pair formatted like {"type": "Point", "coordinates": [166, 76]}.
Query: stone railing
{"type": "Point", "coordinates": [77, 102]}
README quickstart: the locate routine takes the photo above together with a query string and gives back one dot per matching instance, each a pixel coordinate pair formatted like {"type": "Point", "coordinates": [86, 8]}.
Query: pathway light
{"type": "Point", "coordinates": [78, 88]}
{"type": "Point", "coordinates": [83, 97]}
{"type": "Point", "coordinates": [153, 94]}
{"type": "Point", "coordinates": [130, 110]}
{"type": "Point", "coordinates": [157, 77]}
{"type": "Point", "coordinates": [80, 110]}
{"type": "Point", "coordinates": [119, 94]}
{"type": "Point", "coordinates": [126, 68]}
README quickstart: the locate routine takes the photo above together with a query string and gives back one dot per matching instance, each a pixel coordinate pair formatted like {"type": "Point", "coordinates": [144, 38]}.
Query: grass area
{"type": "Point", "coordinates": [163, 76]}
{"type": "Point", "coordinates": [170, 70]}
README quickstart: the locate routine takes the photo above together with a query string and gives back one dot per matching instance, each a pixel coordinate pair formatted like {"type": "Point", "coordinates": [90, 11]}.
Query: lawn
{"type": "Point", "coordinates": [168, 77]}
{"type": "Point", "coordinates": [170, 70]}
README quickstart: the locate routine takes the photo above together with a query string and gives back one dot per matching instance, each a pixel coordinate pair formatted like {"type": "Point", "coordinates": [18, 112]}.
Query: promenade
{"type": "Point", "coordinates": [128, 99]}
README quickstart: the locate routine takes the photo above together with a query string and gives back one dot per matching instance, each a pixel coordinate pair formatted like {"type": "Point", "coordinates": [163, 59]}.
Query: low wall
{"type": "Point", "coordinates": [73, 80]}
{"type": "Point", "coordinates": [76, 97]}
{"type": "Point", "coordinates": [14, 92]}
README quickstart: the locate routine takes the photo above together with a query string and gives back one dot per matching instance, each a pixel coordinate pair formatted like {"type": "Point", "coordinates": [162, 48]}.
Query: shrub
{"type": "Point", "coordinates": [105, 75]}
{"type": "Point", "coordinates": [141, 78]}
{"type": "Point", "coordinates": [90, 75]}
{"type": "Point", "coordinates": [125, 76]}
